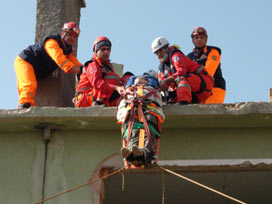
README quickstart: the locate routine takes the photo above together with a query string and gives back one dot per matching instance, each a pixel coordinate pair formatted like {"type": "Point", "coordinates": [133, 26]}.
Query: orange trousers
{"type": "Point", "coordinates": [218, 96]}
{"type": "Point", "coordinates": [26, 81]}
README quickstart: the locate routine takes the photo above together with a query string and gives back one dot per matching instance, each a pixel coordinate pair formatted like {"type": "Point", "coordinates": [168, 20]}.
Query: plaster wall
{"type": "Point", "coordinates": [203, 141]}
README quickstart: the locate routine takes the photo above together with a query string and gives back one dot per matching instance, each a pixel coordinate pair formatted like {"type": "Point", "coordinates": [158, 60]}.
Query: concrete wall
{"type": "Point", "coordinates": [225, 146]}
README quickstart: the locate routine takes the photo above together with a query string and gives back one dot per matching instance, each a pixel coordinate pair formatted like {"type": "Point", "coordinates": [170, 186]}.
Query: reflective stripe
{"type": "Point", "coordinates": [199, 69]}
{"type": "Point", "coordinates": [104, 69]}
{"type": "Point", "coordinates": [82, 89]}
{"type": "Point", "coordinates": [111, 77]}
{"type": "Point", "coordinates": [64, 63]}
{"type": "Point", "coordinates": [85, 88]}
{"type": "Point", "coordinates": [184, 85]}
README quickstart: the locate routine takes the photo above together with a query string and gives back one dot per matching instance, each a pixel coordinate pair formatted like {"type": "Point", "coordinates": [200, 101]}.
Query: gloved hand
{"type": "Point", "coordinates": [171, 97]}
{"type": "Point", "coordinates": [98, 103]}
{"type": "Point", "coordinates": [171, 94]}
{"type": "Point", "coordinates": [79, 73]}
{"type": "Point", "coordinates": [121, 90]}
{"type": "Point", "coordinates": [74, 69]}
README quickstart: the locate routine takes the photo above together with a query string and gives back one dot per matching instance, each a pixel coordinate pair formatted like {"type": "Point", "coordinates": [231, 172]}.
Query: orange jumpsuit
{"type": "Point", "coordinates": [210, 57]}
{"type": "Point", "coordinates": [38, 61]}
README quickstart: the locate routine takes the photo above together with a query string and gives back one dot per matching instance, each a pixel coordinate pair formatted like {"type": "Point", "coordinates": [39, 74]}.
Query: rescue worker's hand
{"type": "Point", "coordinates": [163, 85]}
{"type": "Point", "coordinates": [129, 92]}
{"type": "Point", "coordinates": [75, 69]}
{"type": "Point", "coordinates": [121, 90]}
{"type": "Point", "coordinates": [166, 82]}
{"type": "Point", "coordinates": [79, 73]}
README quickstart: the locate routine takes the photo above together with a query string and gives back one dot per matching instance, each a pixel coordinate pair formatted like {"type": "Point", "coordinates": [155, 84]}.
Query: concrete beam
{"type": "Point", "coordinates": [57, 89]}
{"type": "Point", "coordinates": [191, 116]}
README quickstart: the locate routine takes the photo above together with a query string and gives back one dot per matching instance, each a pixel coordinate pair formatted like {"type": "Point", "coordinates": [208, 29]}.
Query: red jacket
{"type": "Point", "coordinates": [178, 65]}
{"type": "Point", "coordinates": [99, 78]}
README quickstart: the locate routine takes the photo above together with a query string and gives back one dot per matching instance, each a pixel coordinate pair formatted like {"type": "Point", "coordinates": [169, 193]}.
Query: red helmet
{"type": "Point", "coordinates": [71, 27]}
{"type": "Point", "coordinates": [101, 41]}
{"type": "Point", "coordinates": [199, 31]}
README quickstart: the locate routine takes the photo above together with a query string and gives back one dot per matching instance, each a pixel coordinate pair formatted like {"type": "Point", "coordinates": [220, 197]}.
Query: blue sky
{"type": "Point", "coordinates": [241, 29]}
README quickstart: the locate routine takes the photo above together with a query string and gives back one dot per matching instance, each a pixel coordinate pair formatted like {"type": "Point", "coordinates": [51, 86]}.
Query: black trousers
{"type": "Point", "coordinates": [149, 143]}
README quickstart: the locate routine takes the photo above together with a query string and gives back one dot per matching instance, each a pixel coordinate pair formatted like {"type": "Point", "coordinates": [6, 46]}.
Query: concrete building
{"type": "Point", "coordinates": [47, 150]}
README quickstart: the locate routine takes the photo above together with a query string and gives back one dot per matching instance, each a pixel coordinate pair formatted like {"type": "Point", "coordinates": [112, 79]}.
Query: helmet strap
{"type": "Point", "coordinates": [63, 35]}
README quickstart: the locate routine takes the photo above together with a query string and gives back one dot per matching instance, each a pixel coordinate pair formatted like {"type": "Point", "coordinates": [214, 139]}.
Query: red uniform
{"type": "Point", "coordinates": [97, 82]}
{"type": "Point", "coordinates": [190, 77]}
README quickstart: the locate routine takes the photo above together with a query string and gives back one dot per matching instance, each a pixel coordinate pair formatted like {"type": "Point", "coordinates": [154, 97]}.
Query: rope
{"type": "Point", "coordinates": [123, 181]}
{"type": "Point", "coordinates": [163, 185]}
{"type": "Point", "coordinates": [201, 185]}
{"type": "Point", "coordinates": [80, 186]}
{"type": "Point", "coordinates": [163, 188]}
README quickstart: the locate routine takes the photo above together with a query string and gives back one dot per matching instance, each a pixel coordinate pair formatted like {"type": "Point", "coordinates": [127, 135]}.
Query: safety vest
{"type": "Point", "coordinates": [107, 73]}
{"type": "Point", "coordinates": [202, 57]}
{"type": "Point", "coordinates": [42, 63]}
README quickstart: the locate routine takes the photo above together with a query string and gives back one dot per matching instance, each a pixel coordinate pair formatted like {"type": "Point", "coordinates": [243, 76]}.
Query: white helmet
{"type": "Point", "coordinates": [158, 43]}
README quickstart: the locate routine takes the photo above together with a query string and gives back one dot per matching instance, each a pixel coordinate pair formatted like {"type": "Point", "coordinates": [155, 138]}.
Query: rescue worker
{"type": "Point", "coordinates": [210, 57]}
{"type": "Point", "coordinates": [189, 80]}
{"type": "Point", "coordinates": [99, 85]}
{"type": "Point", "coordinates": [41, 59]}
{"type": "Point", "coordinates": [140, 148]}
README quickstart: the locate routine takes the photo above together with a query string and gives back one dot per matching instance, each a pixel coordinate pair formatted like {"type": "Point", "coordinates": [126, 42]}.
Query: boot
{"type": "Point", "coordinates": [24, 105]}
{"type": "Point", "coordinates": [99, 103]}
{"type": "Point", "coordinates": [137, 151]}
{"type": "Point", "coordinates": [138, 155]}
{"type": "Point", "coordinates": [183, 103]}
{"type": "Point", "coordinates": [125, 152]}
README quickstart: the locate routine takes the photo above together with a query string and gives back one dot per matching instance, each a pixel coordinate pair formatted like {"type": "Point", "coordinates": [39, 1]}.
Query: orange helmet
{"type": "Point", "coordinates": [101, 41]}
{"type": "Point", "coordinates": [71, 27]}
{"type": "Point", "coordinates": [199, 31]}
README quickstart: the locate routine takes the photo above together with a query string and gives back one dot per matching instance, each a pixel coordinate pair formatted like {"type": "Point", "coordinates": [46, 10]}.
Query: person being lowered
{"type": "Point", "coordinates": [141, 115]}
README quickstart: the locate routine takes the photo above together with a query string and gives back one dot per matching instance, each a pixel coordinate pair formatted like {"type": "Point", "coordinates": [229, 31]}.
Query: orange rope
{"type": "Point", "coordinates": [201, 185]}
{"type": "Point", "coordinates": [80, 186]}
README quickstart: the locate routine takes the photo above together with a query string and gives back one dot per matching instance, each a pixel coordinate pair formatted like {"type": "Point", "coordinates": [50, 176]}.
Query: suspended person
{"type": "Point", "coordinates": [189, 80]}
{"type": "Point", "coordinates": [99, 85]}
{"type": "Point", "coordinates": [210, 57]}
{"type": "Point", "coordinates": [143, 94]}
{"type": "Point", "coordinates": [41, 59]}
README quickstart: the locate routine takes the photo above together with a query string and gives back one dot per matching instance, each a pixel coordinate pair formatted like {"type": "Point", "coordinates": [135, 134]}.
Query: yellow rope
{"type": "Point", "coordinates": [201, 185]}
{"type": "Point", "coordinates": [80, 186]}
